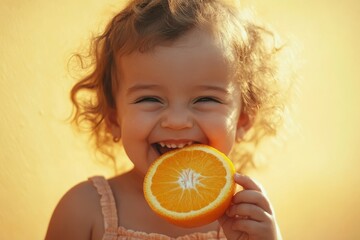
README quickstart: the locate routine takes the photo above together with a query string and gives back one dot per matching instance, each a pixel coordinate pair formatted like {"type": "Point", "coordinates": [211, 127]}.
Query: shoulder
{"type": "Point", "coordinates": [75, 214]}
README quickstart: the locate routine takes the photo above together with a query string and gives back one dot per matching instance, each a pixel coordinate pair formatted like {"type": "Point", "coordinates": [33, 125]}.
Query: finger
{"type": "Point", "coordinates": [248, 211]}
{"type": "Point", "coordinates": [253, 197]}
{"type": "Point", "coordinates": [248, 226]}
{"type": "Point", "coordinates": [247, 183]}
{"type": "Point", "coordinates": [226, 224]}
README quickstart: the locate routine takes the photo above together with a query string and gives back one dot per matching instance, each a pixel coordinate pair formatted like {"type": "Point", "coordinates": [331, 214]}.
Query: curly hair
{"type": "Point", "coordinates": [250, 47]}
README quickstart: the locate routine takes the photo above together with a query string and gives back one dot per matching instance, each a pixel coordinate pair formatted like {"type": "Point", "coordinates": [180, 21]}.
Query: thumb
{"type": "Point", "coordinates": [225, 222]}
{"type": "Point", "coordinates": [223, 219]}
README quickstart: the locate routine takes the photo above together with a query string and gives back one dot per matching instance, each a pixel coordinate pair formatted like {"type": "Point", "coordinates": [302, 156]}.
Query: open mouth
{"type": "Point", "coordinates": [162, 147]}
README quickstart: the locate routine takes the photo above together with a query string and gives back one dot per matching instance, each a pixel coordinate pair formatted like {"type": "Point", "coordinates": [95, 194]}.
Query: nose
{"type": "Point", "coordinates": [176, 118]}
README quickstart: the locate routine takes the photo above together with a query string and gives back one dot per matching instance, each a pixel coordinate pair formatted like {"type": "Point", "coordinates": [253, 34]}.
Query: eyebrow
{"type": "Point", "coordinates": [214, 88]}
{"type": "Point", "coordinates": [138, 87]}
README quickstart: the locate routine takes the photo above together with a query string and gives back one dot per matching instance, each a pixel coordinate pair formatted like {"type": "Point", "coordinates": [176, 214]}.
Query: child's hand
{"type": "Point", "coordinates": [250, 217]}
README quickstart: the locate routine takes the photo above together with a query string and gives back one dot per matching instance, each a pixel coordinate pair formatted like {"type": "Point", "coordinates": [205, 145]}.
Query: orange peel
{"type": "Point", "coordinates": [190, 187]}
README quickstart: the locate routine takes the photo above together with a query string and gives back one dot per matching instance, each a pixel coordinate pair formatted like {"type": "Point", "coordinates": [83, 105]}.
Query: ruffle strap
{"type": "Point", "coordinates": [130, 234]}
{"type": "Point", "coordinates": [108, 207]}
{"type": "Point", "coordinates": [115, 232]}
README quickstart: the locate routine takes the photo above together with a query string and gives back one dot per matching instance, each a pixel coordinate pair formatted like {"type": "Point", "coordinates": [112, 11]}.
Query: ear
{"type": "Point", "coordinates": [113, 124]}
{"type": "Point", "coordinates": [243, 125]}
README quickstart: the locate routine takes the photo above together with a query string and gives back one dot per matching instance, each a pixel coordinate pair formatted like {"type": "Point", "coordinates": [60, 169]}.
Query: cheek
{"type": "Point", "coordinates": [136, 125]}
{"type": "Point", "coordinates": [221, 132]}
{"type": "Point", "coordinates": [136, 130]}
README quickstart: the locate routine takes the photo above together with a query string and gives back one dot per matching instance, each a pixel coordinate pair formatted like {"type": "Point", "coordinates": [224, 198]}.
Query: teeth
{"type": "Point", "coordinates": [173, 145]}
{"type": "Point", "coordinates": [181, 145]}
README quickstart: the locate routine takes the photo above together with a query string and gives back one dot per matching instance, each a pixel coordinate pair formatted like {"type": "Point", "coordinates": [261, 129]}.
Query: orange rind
{"type": "Point", "coordinates": [190, 187]}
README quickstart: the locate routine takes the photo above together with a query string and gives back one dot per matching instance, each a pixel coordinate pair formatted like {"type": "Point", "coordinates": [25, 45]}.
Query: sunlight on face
{"type": "Point", "coordinates": [176, 95]}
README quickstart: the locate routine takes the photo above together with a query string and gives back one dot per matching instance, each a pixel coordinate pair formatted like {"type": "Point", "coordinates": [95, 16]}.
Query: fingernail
{"type": "Point", "coordinates": [237, 175]}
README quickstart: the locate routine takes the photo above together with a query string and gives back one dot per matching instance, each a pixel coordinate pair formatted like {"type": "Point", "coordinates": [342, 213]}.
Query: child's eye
{"type": "Point", "coordinates": [147, 99]}
{"type": "Point", "coordinates": [207, 99]}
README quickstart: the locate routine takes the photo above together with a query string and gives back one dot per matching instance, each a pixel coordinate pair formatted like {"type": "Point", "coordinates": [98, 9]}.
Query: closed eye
{"type": "Point", "coordinates": [149, 99]}
{"type": "Point", "coordinates": [207, 99]}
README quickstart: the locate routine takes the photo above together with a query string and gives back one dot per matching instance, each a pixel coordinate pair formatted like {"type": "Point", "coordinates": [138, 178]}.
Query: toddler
{"type": "Point", "coordinates": [166, 74]}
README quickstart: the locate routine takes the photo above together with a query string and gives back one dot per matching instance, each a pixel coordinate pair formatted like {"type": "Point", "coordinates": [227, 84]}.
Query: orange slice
{"type": "Point", "coordinates": [190, 187]}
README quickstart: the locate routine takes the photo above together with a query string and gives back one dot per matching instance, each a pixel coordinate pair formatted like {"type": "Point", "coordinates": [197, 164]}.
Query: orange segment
{"type": "Point", "coordinates": [190, 187]}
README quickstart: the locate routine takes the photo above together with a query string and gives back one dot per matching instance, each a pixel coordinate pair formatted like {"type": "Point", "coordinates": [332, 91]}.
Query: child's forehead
{"type": "Point", "coordinates": [192, 42]}
{"type": "Point", "coordinates": [196, 57]}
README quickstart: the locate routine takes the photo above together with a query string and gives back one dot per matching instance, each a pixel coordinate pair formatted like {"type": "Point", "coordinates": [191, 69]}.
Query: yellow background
{"type": "Point", "coordinates": [313, 180]}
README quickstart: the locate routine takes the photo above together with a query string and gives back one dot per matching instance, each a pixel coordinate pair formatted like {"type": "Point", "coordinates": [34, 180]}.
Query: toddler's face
{"type": "Point", "coordinates": [176, 95]}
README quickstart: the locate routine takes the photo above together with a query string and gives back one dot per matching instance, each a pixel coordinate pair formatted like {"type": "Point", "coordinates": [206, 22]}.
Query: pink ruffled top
{"type": "Point", "coordinates": [115, 232]}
